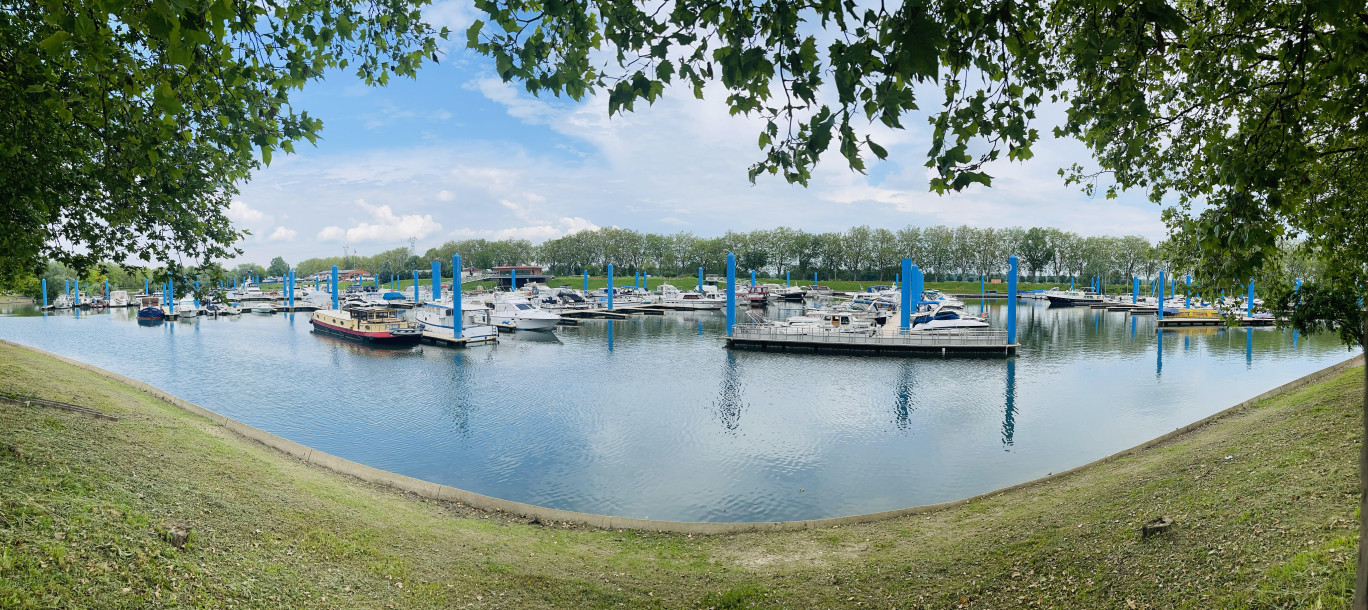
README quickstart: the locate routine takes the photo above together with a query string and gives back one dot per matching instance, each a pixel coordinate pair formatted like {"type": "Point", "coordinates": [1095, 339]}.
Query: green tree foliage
{"type": "Point", "coordinates": [125, 125]}
{"type": "Point", "coordinates": [817, 73]}
{"type": "Point", "coordinates": [278, 267]}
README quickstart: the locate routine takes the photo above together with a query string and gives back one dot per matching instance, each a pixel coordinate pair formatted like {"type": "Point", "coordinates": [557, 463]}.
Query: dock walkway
{"type": "Point", "coordinates": [889, 340]}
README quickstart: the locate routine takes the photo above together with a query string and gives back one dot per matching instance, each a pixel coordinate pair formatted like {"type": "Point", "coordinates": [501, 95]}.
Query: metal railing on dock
{"type": "Point", "coordinates": [889, 340]}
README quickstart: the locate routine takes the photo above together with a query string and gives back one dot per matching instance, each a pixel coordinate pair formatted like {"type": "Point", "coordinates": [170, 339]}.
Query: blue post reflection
{"type": "Point", "coordinates": [1132, 326]}
{"type": "Point", "coordinates": [1294, 337]}
{"type": "Point", "coordinates": [610, 335]}
{"type": "Point", "coordinates": [728, 406]}
{"type": "Point", "coordinates": [1159, 360]}
{"type": "Point", "coordinates": [902, 397]}
{"type": "Point", "coordinates": [1249, 347]}
{"type": "Point", "coordinates": [1009, 417]}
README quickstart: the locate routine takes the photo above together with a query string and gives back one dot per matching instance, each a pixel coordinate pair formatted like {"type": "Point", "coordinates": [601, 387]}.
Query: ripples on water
{"type": "Point", "coordinates": [652, 417]}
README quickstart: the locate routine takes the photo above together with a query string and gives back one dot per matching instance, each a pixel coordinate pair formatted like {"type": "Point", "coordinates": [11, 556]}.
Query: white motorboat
{"type": "Point", "coordinates": [186, 307]}
{"type": "Point", "coordinates": [119, 298]}
{"type": "Point", "coordinates": [795, 294]}
{"type": "Point", "coordinates": [263, 308]}
{"type": "Point", "coordinates": [246, 293]}
{"type": "Point", "coordinates": [670, 296]}
{"type": "Point", "coordinates": [63, 301]}
{"type": "Point", "coordinates": [475, 326]}
{"type": "Point", "coordinates": [938, 317]}
{"type": "Point", "coordinates": [516, 313]}
{"type": "Point", "coordinates": [825, 322]}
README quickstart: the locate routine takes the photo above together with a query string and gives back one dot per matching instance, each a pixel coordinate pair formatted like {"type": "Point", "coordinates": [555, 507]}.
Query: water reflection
{"type": "Point", "coordinates": [1009, 415]}
{"type": "Point", "coordinates": [556, 419]}
{"type": "Point", "coordinates": [1159, 358]}
{"type": "Point", "coordinates": [729, 406]}
{"type": "Point", "coordinates": [903, 402]}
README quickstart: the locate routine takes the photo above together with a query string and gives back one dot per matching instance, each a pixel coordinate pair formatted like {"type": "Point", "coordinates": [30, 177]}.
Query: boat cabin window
{"type": "Point", "coordinates": [523, 306]}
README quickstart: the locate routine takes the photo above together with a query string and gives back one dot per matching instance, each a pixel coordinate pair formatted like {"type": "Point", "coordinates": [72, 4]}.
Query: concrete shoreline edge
{"type": "Point", "coordinates": [446, 493]}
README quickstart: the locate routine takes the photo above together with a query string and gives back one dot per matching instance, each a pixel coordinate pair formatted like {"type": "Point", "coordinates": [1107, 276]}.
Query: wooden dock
{"type": "Point", "coordinates": [445, 339]}
{"type": "Point", "coordinates": [889, 340]}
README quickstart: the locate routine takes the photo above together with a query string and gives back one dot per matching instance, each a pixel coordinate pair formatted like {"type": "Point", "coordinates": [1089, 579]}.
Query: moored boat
{"type": "Point", "coordinates": [516, 313]}
{"type": "Point", "coordinates": [475, 326]}
{"type": "Point", "coordinates": [150, 313]}
{"type": "Point", "coordinates": [374, 325]}
{"type": "Point", "coordinates": [1067, 298]}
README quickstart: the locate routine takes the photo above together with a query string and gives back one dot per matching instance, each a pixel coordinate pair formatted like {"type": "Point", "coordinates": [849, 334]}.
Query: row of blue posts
{"type": "Point", "coordinates": [912, 283]}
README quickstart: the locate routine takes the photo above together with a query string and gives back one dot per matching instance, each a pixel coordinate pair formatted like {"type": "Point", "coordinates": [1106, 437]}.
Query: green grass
{"type": "Point", "coordinates": [84, 505]}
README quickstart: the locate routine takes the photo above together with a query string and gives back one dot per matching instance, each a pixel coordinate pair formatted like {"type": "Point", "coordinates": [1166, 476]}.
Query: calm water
{"type": "Point", "coordinates": [654, 418]}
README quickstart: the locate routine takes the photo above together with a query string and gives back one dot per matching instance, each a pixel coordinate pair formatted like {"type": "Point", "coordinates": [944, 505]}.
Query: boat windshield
{"type": "Point", "coordinates": [523, 306]}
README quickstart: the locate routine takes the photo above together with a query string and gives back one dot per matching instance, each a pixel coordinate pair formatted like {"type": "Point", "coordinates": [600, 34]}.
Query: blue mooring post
{"type": "Point", "coordinates": [1249, 302]}
{"type": "Point", "coordinates": [106, 293]}
{"type": "Point", "coordinates": [1187, 293]}
{"type": "Point", "coordinates": [77, 299]}
{"type": "Point", "coordinates": [171, 296]}
{"type": "Point", "coordinates": [512, 280]}
{"type": "Point", "coordinates": [700, 280]}
{"type": "Point", "coordinates": [752, 277]}
{"type": "Point", "coordinates": [731, 292]}
{"type": "Point", "coordinates": [1071, 283]}
{"type": "Point", "coordinates": [586, 280]}
{"type": "Point", "coordinates": [610, 286]}
{"type": "Point", "coordinates": [908, 304]}
{"type": "Point", "coordinates": [786, 279]}
{"type": "Point", "coordinates": [916, 286]}
{"type": "Point", "coordinates": [316, 281]}
{"type": "Point", "coordinates": [334, 286]}
{"type": "Point", "coordinates": [1135, 289]}
{"type": "Point", "coordinates": [814, 278]}
{"type": "Point", "coordinates": [44, 293]}
{"type": "Point", "coordinates": [1160, 286]}
{"type": "Point", "coordinates": [415, 287]}
{"type": "Point", "coordinates": [147, 288]}
{"type": "Point", "coordinates": [196, 293]}
{"type": "Point", "coordinates": [436, 281]}
{"type": "Point", "coordinates": [456, 314]}
{"type": "Point", "coordinates": [1011, 299]}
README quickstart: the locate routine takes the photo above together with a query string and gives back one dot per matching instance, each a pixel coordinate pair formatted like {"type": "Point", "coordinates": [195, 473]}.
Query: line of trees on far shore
{"type": "Point", "coordinates": [860, 253]}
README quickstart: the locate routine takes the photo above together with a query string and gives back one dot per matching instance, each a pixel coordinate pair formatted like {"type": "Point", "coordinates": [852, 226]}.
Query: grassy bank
{"type": "Point", "coordinates": [1264, 501]}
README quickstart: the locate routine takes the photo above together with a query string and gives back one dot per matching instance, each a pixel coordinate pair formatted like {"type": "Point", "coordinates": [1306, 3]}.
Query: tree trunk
{"type": "Point", "coordinates": [1361, 576]}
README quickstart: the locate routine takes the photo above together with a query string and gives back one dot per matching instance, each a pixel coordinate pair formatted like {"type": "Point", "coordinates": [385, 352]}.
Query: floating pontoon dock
{"type": "Point", "coordinates": [1181, 322]}
{"type": "Point", "coordinates": [889, 340]}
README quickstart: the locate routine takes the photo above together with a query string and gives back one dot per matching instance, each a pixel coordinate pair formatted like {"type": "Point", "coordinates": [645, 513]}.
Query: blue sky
{"type": "Point", "coordinates": [457, 154]}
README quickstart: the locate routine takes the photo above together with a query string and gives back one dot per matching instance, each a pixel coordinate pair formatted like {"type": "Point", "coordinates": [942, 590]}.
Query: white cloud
{"type": "Point", "coordinates": [242, 213]}
{"type": "Point", "coordinates": [387, 226]}
{"type": "Point", "coordinates": [282, 234]}
{"type": "Point", "coordinates": [680, 163]}
{"type": "Point", "coordinates": [535, 233]}
{"type": "Point", "coordinates": [528, 109]}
